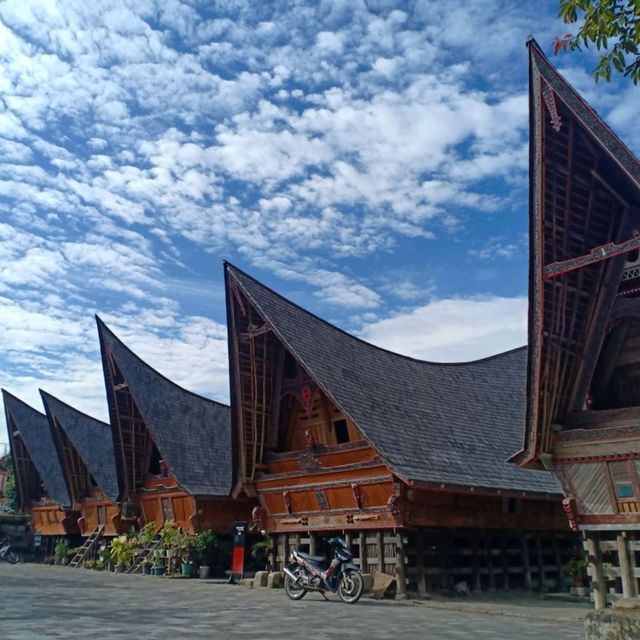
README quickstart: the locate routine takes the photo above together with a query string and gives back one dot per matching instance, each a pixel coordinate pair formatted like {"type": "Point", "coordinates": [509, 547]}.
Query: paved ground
{"type": "Point", "coordinates": [58, 602]}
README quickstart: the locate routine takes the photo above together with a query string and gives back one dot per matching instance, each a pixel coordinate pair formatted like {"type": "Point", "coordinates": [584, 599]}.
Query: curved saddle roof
{"type": "Point", "coordinates": [454, 424]}
{"type": "Point", "coordinates": [192, 433]}
{"type": "Point", "coordinates": [36, 435]}
{"type": "Point", "coordinates": [92, 440]}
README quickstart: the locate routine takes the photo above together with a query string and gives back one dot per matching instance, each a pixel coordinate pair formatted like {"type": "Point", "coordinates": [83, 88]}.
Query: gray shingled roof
{"type": "Point", "coordinates": [36, 435]}
{"type": "Point", "coordinates": [192, 433]}
{"type": "Point", "coordinates": [436, 423]}
{"type": "Point", "coordinates": [92, 440]}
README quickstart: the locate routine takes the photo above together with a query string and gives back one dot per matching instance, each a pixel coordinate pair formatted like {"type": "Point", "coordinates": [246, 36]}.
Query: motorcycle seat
{"type": "Point", "coordinates": [308, 556]}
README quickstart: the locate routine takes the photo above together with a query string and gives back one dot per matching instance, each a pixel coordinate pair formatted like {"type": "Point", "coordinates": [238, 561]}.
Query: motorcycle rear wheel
{"type": "Point", "coordinates": [11, 556]}
{"type": "Point", "coordinates": [351, 586]}
{"type": "Point", "coordinates": [293, 590]}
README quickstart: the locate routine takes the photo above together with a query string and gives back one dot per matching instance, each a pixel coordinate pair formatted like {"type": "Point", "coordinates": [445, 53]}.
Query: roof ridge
{"type": "Point", "coordinates": [102, 326]}
{"type": "Point", "coordinates": [45, 394]}
{"type": "Point", "coordinates": [464, 363]}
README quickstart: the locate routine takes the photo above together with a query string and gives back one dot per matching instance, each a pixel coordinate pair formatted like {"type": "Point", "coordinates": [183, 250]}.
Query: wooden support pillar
{"type": "Point", "coordinates": [489, 556]}
{"type": "Point", "coordinates": [421, 575]}
{"type": "Point", "coordinates": [273, 552]}
{"type": "Point", "coordinates": [626, 567]}
{"type": "Point", "coordinates": [540, 558]}
{"type": "Point", "coordinates": [504, 561]}
{"type": "Point", "coordinates": [475, 563]}
{"type": "Point", "coordinates": [347, 538]}
{"type": "Point", "coordinates": [313, 543]}
{"type": "Point", "coordinates": [526, 564]}
{"type": "Point", "coordinates": [444, 545]}
{"type": "Point", "coordinates": [558, 562]}
{"type": "Point", "coordinates": [597, 576]}
{"type": "Point", "coordinates": [380, 546]}
{"type": "Point", "coordinates": [401, 574]}
{"type": "Point", "coordinates": [364, 567]}
{"type": "Point", "coordinates": [285, 549]}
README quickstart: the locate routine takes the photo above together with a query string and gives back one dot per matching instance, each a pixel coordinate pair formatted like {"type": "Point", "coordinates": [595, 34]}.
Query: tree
{"type": "Point", "coordinates": [613, 26]}
{"type": "Point", "coordinates": [10, 495]}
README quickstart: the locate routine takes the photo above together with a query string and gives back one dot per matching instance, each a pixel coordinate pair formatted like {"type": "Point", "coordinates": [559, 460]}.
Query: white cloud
{"type": "Point", "coordinates": [454, 330]}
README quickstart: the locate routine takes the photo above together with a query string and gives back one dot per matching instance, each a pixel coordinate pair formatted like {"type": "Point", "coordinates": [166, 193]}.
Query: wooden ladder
{"type": "Point", "coordinates": [88, 545]}
{"type": "Point", "coordinates": [147, 551]}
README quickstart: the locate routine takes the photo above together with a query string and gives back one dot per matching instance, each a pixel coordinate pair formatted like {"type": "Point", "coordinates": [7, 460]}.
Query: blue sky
{"type": "Point", "coordinates": [366, 159]}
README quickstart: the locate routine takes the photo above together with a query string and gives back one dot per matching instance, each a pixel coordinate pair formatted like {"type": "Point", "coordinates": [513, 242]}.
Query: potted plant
{"type": "Point", "coordinates": [170, 536]}
{"type": "Point", "coordinates": [122, 552]}
{"type": "Point", "coordinates": [576, 569]}
{"type": "Point", "coordinates": [147, 534]}
{"type": "Point", "coordinates": [206, 544]}
{"type": "Point", "coordinates": [260, 552]}
{"type": "Point", "coordinates": [147, 563]}
{"type": "Point", "coordinates": [105, 558]}
{"type": "Point", "coordinates": [158, 568]}
{"type": "Point", "coordinates": [61, 552]}
{"type": "Point", "coordinates": [185, 544]}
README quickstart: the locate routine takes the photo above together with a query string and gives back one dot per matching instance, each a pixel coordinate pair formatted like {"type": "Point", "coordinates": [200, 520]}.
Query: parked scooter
{"type": "Point", "coordinates": [310, 573]}
{"type": "Point", "coordinates": [7, 552]}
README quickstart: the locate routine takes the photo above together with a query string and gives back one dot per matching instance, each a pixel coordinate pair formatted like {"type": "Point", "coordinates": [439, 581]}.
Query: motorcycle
{"type": "Point", "coordinates": [309, 573]}
{"type": "Point", "coordinates": [7, 552]}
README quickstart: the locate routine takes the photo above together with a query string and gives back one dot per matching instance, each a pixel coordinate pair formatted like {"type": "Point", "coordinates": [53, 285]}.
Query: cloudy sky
{"type": "Point", "coordinates": [367, 159]}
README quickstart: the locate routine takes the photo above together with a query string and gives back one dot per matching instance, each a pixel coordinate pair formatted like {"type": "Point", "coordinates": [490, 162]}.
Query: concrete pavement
{"type": "Point", "coordinates": [39, 602]}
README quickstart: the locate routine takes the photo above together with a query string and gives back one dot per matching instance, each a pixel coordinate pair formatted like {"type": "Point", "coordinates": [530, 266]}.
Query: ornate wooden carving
{"type": "Point", "coordinates": [323, 503]}
{"type": "Point", "coordinates": [259, 516]}
{"type": "Point", "coordinates": [394, 504]}
{"type": "Point", "coordinates": [312, 443]}
{"type": "Point", "coordinates": [569, 506]}
{"type": "Point", "coordinates": [550, 101]}
{"type": "Point", "coordinates": [357, 495]}
{"type": "Point", "coordinates": [308, 462]}
{"type": "Point", "coordinates": [287, 501]}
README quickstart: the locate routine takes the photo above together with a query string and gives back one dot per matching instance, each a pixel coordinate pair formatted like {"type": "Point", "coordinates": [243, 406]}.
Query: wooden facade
{"type": "Point", "coordinates": [327, 444]}
{"type": "Point", "coordinates": [583, 408]}
{"type": "Point", "coordinates": [85, 451]}
{"type": "Point", "coordinates": [39, 481]}
{"type": "Point", "coordinates": [172, 448]}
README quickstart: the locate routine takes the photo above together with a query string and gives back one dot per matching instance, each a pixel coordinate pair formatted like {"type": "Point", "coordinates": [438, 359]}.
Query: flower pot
{"type": "Point", "coordinates": [203, 572]}
{"type": "Point", "coordinates": [187, 569]}
{"type": "Point", "coordinates": [146, 569]}
{"type": "Point", "coordinates": [581, 591]}
{"type": "Point", "coordinates": [158, 571]}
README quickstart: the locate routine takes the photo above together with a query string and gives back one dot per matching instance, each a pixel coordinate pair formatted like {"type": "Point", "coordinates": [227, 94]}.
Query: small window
{"type": "Point", "coordinates": [154, 462]}
{"type": "Point", "coordinates": [624, 491]}
{"type": "Point", "coordinates": [342, 431]}
{"type": "Point", "coordinates": [621, 479]}
{"type": "Point", "coordinates": [167, 509]}
{"type": "Point", "coordinates": [511, 505]}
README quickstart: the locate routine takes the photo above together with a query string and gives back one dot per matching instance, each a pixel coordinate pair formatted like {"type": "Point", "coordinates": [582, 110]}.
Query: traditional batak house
{"type": "Point", "coordinates": [583, 410]}
{"type": "Point", "coordinates": [85, 450]}
{"type": "Point", "coordinates": [409, 458]}
{"type": "Point", "coordinates": [173, 448]}
{"type": "Point", "coordinates": [40, 485]}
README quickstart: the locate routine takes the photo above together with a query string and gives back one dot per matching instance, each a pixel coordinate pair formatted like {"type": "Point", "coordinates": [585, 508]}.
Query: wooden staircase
{"type": "Point", "coordinates": [87, 547]}
{"type": "Point", "coordinates": [147, 551]}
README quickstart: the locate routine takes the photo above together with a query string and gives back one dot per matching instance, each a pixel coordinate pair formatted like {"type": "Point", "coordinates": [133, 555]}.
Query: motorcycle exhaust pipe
{"type": "Point", "coordinates": [291, 575]}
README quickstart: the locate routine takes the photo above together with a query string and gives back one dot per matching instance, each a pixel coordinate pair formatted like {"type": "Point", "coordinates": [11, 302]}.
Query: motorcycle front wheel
{"type": "Point", "coordinates": [293, 589]}
{"type": "Point", "coordinates": [11, 556]}
{"type": "Point", "coordinates": [351, 586]}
